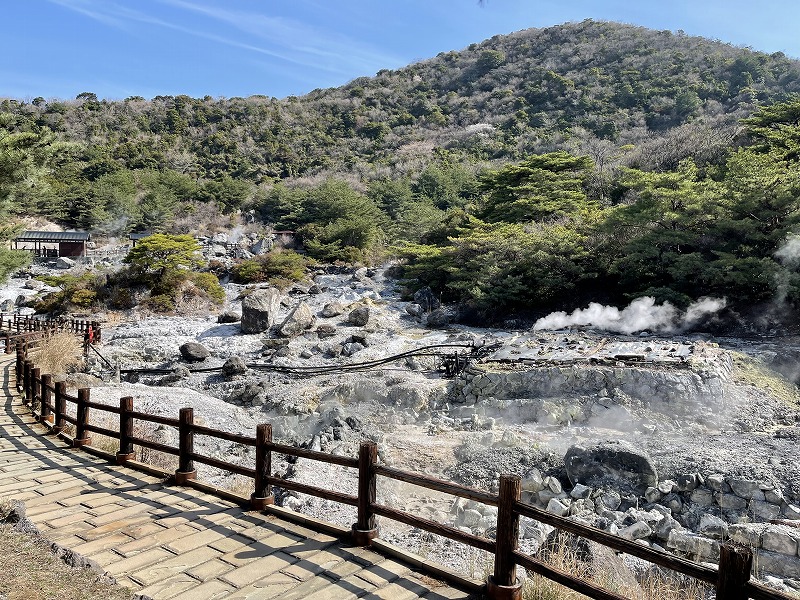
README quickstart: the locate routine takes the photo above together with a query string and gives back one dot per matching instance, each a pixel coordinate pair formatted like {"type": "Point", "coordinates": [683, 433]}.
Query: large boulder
{"type": "Point", "coordinates": [615, 464]}
{"type": "Point", "coordinates": [359, 316]}
{"type": "Point", "coordinates": [64, 263]}
{"type": "Point", "coordinates": [438, 318]}
{"type": "Point", "coordinates": [259, 310]}
{"type": "Point", "coordinates": [426, 299]}
{"type": "Point", "coordinates": [300, 319]}
{"type": "Point", "coordinates": [194, 352]}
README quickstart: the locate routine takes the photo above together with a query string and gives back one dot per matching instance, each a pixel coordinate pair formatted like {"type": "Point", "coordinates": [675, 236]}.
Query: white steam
{"type": "Point", "coordinates": [640, 315]}
{"type": "Point", "coordinates": [789, 252]}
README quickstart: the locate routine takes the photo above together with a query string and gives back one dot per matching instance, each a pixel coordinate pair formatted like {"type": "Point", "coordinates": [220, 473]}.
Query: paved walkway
{"type": "Point", "coordinates": [167, 541]}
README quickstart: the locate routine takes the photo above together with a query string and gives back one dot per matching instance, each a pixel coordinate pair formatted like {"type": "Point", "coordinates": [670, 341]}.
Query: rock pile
{"type": "Point", "coordinates": [690, 516]}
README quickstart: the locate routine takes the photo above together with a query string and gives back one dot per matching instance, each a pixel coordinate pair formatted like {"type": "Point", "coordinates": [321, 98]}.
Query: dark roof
{"type": "Point", "coordinates": [53, 236]}
{"type": "Point", "coordinates": [140, 235]}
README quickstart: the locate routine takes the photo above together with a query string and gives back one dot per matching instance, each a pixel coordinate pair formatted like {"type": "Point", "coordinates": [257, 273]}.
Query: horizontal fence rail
{"type": "Point", "coordinates": [731, 579]}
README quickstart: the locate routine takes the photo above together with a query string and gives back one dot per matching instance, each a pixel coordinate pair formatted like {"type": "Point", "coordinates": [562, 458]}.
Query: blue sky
{"type": "Point", "coordinates": [121, 48]}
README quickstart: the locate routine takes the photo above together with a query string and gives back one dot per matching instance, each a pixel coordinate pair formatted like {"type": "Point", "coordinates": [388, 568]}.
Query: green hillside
{"type": "Point", "coordinates": [534, 170]}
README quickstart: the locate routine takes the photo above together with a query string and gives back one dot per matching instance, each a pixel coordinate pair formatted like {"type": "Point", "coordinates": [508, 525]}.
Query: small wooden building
{"type": "Point", "coordinates": [53, 243]}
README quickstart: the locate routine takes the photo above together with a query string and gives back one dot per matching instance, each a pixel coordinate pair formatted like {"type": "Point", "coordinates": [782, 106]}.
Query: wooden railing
{"type": "Point", "coordinates": [731, 579]}
{"type": "Point", "coordinates": [14, 327]}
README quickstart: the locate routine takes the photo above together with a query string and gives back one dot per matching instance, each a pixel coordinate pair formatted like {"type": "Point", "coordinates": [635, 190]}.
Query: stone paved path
{"type": "Point", "coordinates": [165, 541]}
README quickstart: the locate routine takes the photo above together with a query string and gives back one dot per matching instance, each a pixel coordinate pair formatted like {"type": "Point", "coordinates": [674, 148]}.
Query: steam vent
{"type": "Point", "coordinates": [574, 378]}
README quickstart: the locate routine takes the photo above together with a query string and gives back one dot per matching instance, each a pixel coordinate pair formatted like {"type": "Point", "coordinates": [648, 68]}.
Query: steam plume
{"type": "Point", "coordinates": [640, 315]}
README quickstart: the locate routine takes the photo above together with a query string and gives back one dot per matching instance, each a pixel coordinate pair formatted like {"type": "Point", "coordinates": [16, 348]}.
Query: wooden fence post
{"type": "Point", "coordinates": [81, 438]}
{"type": "Point", "coordinates": [504, 585]}
{"type": "Point", "coordinates": [126, 452]}
{"type": "Point", "coordinates": [20, 364]}
{"type": "Point", "coordinates": [186, 470]}
{"type": "Point", "coordinates": [366, 530]}
{"type": "Point", "coordinates": [262, 495]}
{"type": "Point", "coordinates": [60, 406]}
{"type": "Point", "coordinates": [47, 398]}
{"type": "Point", "coordinates": [26, 382]}
{"type": "Point", "coordinates": [735, 566]}
{"type": "Point", "coordinates": [36, 389]}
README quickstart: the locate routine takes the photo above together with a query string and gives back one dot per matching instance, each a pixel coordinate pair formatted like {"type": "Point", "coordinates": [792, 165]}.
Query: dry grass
{"type": "Point", "coordinates": [30, 571]}
{"type": "Point", "coordinates": [751, 371]}
{"type": "Point", "coordinates": [61, 353]}
{"type": "Point", "coordinates": [655, 585]}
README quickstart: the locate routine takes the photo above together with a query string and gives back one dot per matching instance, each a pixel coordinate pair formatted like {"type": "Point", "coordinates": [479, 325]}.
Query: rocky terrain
{"type": "Point", "coordinates": [673, 441]}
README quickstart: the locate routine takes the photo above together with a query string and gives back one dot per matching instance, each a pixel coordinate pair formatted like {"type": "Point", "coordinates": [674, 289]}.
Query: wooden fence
{"type": "Point", "coordinates": [731, 579]}
{"type": "Point", "coordinates": [14, 327]}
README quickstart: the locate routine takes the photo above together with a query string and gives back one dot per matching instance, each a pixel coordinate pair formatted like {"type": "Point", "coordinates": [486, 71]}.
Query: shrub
{"type": "Point", "coordinates": [209, 285]}
{"type": "Point", "coordinates": [160, 303]}
{"type": "Point", "coordinates": [277, 265]}
{"type": "Point", "coordinates": [83, 298]}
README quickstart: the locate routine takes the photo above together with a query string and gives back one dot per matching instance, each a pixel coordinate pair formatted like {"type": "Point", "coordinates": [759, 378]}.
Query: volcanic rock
{"type": "Point", "coordinates": [359, 316]}
{"type": "Point", "coordinates": [259, 310]}
{"type": "Point", "coordinates": [194, 352]}
{"type": "Point", "coordinates": [235, 365]}
{"type": "Point", "coordinates": [615, 463]}
{"type": "Point", "coordinates": [300, 319]}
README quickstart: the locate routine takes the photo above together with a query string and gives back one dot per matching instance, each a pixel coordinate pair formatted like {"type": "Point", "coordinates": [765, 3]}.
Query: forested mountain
{"type": "Point", "coordinates": [586, 156]}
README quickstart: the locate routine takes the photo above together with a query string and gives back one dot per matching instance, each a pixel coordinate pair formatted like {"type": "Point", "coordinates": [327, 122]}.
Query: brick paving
{"type": "Point", "coordinates": [167, 541]}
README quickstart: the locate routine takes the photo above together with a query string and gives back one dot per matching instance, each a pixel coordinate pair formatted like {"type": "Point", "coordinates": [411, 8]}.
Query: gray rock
{"type": "Point", "coordinates": [703, 497]}
{"type": "Point", "coordinates": [778, 563]}
{"type": "Point", "coordinates": [636, 531]}
{"type": "Point", "coordinates": [557, 508]}
{"type": "Point", "coordinates": [666, 526]}
{"type": "Point", "coordinates": [325, 330]}
{"type": "Point", "coordinates": [713, 527]}
{"type": "Point", "coordinates": [673, 502]}
{"type": "Point", "coordinates": [438, 318]}
{"type": "Point", "coordinates": [259, 310]}
{"type": "Point", "coordinates": [351, 348]}
{"type": "Point", "coordinates": [471, 518]}
{"type": "Point", "coordinates": [731, 502]}
{"type": "Point", "coordinates": [717, 483]}
{"type": "Point", "coordinates": [194, 352]}
{"type": "Point", "coordinates": [652, 494]}
{"type": "Point", "coordinates": [764, 511]}
{"type": "Point", "coordinates": [666, 487]}
{"type": "Point", "coordinates": [178, 374]}
{"type": "Point", "coordinates": [781, 539]}
{"type": "Point", "coordinates": [791, 512]}
{"type": "Point", "coordinates": [580, 491]}
{"type": "Point", "coordinates": [414, 309]}
{"type": "Point", "coordinates": [332, 309]}
{"type": "Point", "coordinates": [426, 299]}
{"type": "Point", "coordinates": [611, 499]}
{"type": "Point", "coordinates": [298, 320]}
{"type": "Point", "coordinates": [229, 317]}
{"type": "Point", "coordinates": [616, 463]}
{"type": "Point", "coordinates": [235, 365]}
{"type": "Point", "coordinates": [695, 546]}
{"type": "Point", "coordinates": [744, 488]}
{"type": "Point", "coordinates": [686, 483]}
{"type": "Point", "coordinates": [359, 316]}
{"type": "Point", "coordinates": [64, 263]}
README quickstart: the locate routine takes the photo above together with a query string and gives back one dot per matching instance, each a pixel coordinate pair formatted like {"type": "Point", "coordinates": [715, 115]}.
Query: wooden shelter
{"type": "Point", "coordinates": [53, 243]}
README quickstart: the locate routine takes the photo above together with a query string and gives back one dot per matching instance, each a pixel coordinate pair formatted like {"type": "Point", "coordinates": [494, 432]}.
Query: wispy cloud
{"type": "Point", "coordinates": [287, 40]}
{"type": "Point", "coordinates": [298, 42]}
